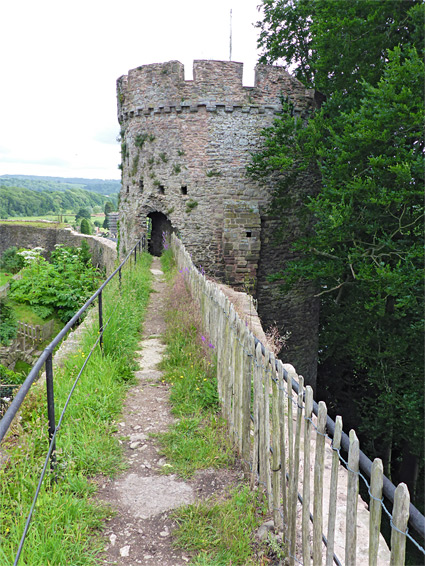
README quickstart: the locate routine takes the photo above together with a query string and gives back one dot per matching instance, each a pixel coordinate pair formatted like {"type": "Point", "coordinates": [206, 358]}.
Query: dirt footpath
{"type": "Point", "coordinates": [142, 497]}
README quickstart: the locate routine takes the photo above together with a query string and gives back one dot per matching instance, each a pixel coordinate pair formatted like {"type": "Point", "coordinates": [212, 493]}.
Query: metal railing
{"type": "Point", "coordinates": [46, 358]}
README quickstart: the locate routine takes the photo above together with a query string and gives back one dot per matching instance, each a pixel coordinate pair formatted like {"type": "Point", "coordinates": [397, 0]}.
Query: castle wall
{"type": "Point", "coordinates": [104, 252]}
{"type": "Point", "coordinates": [186, 146]}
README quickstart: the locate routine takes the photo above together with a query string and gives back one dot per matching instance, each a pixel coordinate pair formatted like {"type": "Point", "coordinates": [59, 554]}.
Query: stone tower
{"type": "Point", "coordinates": [185, 149]}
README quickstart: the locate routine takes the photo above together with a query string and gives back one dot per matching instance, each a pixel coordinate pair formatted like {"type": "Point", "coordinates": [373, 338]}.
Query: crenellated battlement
{"type": "Point", "coordinates": [216, 85]}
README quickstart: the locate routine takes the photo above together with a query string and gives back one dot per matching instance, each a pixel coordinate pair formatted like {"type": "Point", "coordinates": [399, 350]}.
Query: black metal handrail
{"type": "Point", "coordinates": [46, 357]}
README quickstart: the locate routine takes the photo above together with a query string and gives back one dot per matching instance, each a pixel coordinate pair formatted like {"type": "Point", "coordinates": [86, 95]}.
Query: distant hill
{"type": "Point", "coordinates": [20, 201]}
{"type": "Point", "coordinates": [38, 183]}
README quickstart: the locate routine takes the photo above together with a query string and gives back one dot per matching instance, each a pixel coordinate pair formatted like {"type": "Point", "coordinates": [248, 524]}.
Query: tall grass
{"type": "Point", "coordinates": [220, 530]}
{"type": "Point", "coordinates": [66, 520]}
{"type": "Point", "coordinates": [198, 439]}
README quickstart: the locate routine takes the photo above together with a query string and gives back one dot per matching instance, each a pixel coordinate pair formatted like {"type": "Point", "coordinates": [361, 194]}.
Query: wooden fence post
{"type": "Point", "coordinates": [290, 458]}
{"type": "Point", "coordinates": [248, 372]}
{"type": "Point", "coordinates": [306, 478]}
{"type": "Point", "coordinates": [336, 444]}
{"type": "Point", "coordinates": [296, 465]}
{"type": "Point", "coordinates": [375, 509]}
{"type": "Point", "coordinates": [399, 526]}
{"type": "Point", "coordinates": [282, 427]}
{"type": "Point", "coordinates": [352, 496]}
{"type": "Point", "coordinates": [318, 485]}
{"type": "Point", "coordinates": [276, 462]}
{"type": "Point", "coordinates": [258, 362]}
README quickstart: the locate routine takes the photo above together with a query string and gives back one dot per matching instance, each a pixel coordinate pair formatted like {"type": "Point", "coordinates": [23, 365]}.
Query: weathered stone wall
{"type": "Point", "coordinates": [104, 252]}
{"type": "Point", "coordinates": [186, 146]}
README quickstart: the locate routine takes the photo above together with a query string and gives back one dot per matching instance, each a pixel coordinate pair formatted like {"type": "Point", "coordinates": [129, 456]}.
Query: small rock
{"type": "Point", "coordinates": [137, 427]}
{"type": "Point", "coordinates": [264, 530]}
{"type": "Point", "coordinates": [113, 539]}
{"type": "Point", "coordinates": [125, 551]}
{"type": "Point", "coordinates": [164, 533]}
{"type": "Point", "coordinates": [122, 424]}
{"type": "Point", "coordinates": [135, 445]}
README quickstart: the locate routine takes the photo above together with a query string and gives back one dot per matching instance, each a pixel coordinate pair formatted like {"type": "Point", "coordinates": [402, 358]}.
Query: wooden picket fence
{"type": "Point", "coordinates": [312, 496]}
{"type": "Point", "coordinates": [30, 335]}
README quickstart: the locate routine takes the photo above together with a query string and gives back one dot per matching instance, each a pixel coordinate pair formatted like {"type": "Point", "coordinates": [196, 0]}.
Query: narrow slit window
{"type": "Point", "coordinates": [184, 190]}
{"type": "Point", "coordinates": [141, 185]}
{"type": "Point", "coordinates": [248, 234]}
{"type": "Point", "coordinates": [161, 189]}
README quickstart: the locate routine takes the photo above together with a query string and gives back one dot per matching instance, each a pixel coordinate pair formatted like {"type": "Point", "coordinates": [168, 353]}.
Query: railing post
{"type": "Point", "coordinates": [101, 319]}
{"type": "Point", "coordinates": [119, 277]}
{"type": "Point", "coordinates": [135, 255]}
{"type": "Point", "coordinates": [51, 409]}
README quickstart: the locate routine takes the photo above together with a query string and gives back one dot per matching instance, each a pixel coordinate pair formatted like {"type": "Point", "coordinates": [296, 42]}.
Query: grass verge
{"type": "Point", "coordinates": [66, 520]}
{"type": "Point", "coordinates": [220, 530]}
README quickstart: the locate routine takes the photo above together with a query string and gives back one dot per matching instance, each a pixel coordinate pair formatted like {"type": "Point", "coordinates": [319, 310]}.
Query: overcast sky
{"type": "Point", "coordinates": [60, 61]}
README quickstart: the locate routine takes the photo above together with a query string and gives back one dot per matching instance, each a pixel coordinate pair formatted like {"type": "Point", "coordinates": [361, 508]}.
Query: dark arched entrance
{"type": "Point", "coordinates": [161, 228]}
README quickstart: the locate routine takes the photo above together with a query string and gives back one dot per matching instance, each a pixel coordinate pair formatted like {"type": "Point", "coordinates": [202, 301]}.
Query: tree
{"type": "Point", "coordinates": [365, 251]}
{"type": "Point", "coordinates": [109, 207]}
{"type": "Point", "coordinates": [83, 213]}
{"type": "Point", "coordinates": [334, 46]}
{"type": "Point", "coordinates": [85, 227]}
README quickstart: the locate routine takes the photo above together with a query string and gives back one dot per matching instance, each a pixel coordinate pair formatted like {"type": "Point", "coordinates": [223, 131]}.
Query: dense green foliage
{"type": "Point", "coordinates": [10, 377]}
{"type": "Point", "coordinates": [20, 201]}
{"type": "Point", "coordinates": [365, 252]}
{"type": "Point", "coordinates": [11, 260]}
{"type": "Point", "coordinates": [8, 323]}
{"type": "Point", "coordinates": [58, 287]}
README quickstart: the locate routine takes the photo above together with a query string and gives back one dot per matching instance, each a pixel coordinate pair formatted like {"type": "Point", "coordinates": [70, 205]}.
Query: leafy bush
{"type": "Point", "coordinates": [11, 261]}
{"type": "Point", "coordinates": [8, 323]}
{"type": "Point", "coordinates": [85, 227]}
{"type": "Point", "coordinates": [61, 286]}
{"type": "Point", "coordinates": [7, 376]}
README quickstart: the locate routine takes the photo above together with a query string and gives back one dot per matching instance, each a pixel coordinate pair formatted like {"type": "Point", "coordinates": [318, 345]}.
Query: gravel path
{"type": "Point", "coordinates": [142, 497]}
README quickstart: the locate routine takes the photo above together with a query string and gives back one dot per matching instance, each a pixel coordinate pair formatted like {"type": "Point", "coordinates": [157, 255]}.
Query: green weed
{"type": "Point", "coordinates": [220, 530]}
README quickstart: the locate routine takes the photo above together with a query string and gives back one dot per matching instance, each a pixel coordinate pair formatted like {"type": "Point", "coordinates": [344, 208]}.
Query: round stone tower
{"type": "Point", "coordinates": [185, 149]}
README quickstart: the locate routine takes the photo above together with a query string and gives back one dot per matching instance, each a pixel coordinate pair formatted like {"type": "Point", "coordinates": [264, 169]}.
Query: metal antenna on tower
{"type": "Point", "coordinates": [230, 55]}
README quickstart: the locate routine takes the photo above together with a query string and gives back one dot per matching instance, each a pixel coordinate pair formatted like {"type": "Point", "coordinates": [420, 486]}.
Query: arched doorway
{"type": "Point", "coordinates": [160, 226]}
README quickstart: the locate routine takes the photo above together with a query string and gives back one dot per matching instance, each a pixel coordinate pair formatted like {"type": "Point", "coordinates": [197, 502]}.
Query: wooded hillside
{"type": "Point", "coordinates": [39, 183]}
{"type": "Point", "coordinates": [20, 201]}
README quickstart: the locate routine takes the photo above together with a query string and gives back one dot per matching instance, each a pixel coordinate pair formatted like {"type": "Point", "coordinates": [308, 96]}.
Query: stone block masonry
{"type": "Point", "coordinates": [185, 149]}
{"type": "Point", "coordinates": [104, 252]}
